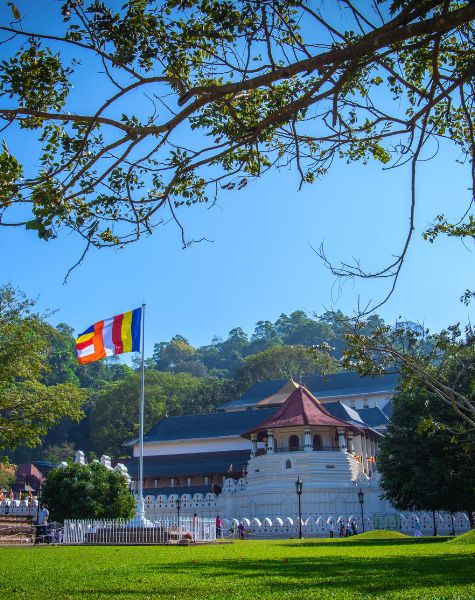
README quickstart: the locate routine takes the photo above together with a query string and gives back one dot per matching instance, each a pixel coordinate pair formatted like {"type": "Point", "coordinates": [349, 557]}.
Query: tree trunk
{"type": "Point", "coordinates": [470, 519]}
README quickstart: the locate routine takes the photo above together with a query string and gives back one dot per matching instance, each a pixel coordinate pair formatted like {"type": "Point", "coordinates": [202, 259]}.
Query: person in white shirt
{"type": "Point", "coordinates": [42, 525]}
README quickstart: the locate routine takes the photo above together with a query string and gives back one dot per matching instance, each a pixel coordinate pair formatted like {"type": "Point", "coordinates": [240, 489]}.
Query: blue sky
{"type": "Point", "coordinates": [260, 262]}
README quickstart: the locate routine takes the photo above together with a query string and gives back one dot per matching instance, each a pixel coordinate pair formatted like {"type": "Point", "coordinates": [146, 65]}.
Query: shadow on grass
{"type": "Point", "coordinates": [412, 576]}
{"type": "Point", "coordinates": [365, 542]}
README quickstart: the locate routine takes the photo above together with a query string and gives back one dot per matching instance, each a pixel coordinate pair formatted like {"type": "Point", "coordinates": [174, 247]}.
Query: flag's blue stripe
{"type": "Point", "coordinates": [136, 322]}
{"type": "Point", "coordinates": [88, 330]}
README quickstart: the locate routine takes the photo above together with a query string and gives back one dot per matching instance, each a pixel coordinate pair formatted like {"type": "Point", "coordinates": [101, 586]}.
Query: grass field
{"type": "Point", "coordinates": [375, 565]}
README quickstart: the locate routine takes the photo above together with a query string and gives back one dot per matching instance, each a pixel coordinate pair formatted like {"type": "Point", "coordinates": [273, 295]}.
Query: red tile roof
{"type": "Point", "coordinates": [300, 408]}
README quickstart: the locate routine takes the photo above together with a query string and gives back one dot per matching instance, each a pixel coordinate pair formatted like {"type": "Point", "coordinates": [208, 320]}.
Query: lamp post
{"type": "Point", "coordinates": [361, 500]}
{"type": "Point", "coordinates": [178, 506]}
{"type": "Point", "coordinates": [38, 499]}
{"type": "Point", "coordinates": [298, 489]}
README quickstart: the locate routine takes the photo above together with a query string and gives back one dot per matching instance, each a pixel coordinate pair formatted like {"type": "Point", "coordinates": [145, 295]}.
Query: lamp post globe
{"type": "Point", "coordinates": [298, 489]}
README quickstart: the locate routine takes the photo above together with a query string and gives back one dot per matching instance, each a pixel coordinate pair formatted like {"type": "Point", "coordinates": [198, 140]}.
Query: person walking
{"type": "Point", "coordinates": [418, 532]}
{"type": "Point", "coordinates": [354, 527]}
{"type": "Point", "coordinates": [348, 529]}
{"type": "Point", "coordinates": [241, 530]}
{"type": "Point", "coordinates": [219, 527]}
{"type": "Point", "coordinates": [331, 529]}
{"type": "Point", "coordinates": [342, 529]}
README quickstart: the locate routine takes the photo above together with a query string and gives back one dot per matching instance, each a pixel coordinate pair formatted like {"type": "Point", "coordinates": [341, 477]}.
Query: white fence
{"type": "Point", "coordinates": [18, 507]}
{"type": "Point", "coordinates": [319, 526]}
{"type": "Point", "coordinates": [161, 531]}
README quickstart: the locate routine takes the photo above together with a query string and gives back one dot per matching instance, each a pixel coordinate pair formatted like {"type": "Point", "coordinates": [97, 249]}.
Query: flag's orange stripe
{"type": "Point", "coordinates": [99, 351]}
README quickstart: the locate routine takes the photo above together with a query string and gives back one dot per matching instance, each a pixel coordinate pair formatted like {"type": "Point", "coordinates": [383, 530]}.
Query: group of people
{"type": "Point", "coordinates": [344, 529]}
{"type": "Point", "coordinates": [241, 530]}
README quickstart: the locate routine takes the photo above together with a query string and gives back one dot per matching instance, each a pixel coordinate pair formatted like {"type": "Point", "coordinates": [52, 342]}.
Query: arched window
{"type": "Point", "coordinates": [288, 464]}
{"type": "Point", "coordinates": [317, 442]}
{"type": "Point", "coordinates": [293, 443]}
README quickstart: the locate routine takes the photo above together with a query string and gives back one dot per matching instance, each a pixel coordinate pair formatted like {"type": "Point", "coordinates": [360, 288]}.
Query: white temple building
{"type": "Point", "coordinates": [243, 460]}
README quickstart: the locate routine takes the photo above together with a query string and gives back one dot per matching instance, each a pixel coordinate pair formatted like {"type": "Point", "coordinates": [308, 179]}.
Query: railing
{"type": "Point", "coordinates": [120, 532]}
{"type": "Point", "coordinates": [302, 449]}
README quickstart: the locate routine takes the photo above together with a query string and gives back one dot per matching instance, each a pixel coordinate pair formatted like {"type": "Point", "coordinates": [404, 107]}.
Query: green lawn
{"type": "Point", "coordinates": [376, 567]}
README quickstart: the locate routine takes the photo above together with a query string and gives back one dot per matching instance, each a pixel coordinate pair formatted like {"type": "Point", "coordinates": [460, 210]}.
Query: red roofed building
{"type": "Point", "coordinates": [302, 438]}
{"type": "Point", "coordinates": [303, 423]}
{"type": "Point", "coordinates": [28, 478]}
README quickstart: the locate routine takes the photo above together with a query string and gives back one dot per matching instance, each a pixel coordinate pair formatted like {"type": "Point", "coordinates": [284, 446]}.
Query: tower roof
{"type": "Point", "coordinates": [281, 395]}
{"type": "Point", "coordinates": [300, 409]}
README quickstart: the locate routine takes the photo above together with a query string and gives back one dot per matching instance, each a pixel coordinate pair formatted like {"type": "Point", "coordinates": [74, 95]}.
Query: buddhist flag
{"type": "Point", "coordinates": [112, 336]}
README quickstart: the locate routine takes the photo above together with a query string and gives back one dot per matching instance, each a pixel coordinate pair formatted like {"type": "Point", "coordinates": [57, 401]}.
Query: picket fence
{"type": "Point", "coordinates": [161, 531]}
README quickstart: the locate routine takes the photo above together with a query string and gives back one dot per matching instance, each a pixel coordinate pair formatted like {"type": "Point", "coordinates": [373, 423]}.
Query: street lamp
{"type": "Point", "coordinates": [38, 499]}
{"type": "Point", "coordinates": [361, 500]}
{"type": "Point", "coordinates": [298, 489]}
{"type": "Point", "coordinates": [178, 506]}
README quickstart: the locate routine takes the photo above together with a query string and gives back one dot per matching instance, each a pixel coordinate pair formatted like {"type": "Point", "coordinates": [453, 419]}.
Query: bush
{"type": "Point", "coordinates": [87, 492]}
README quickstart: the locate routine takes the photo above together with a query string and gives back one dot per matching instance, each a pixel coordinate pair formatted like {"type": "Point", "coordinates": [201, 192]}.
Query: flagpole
{"type": "Point", "coordinates": [141, 412]}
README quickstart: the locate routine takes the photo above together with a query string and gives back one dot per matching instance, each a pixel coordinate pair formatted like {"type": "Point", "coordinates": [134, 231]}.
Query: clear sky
{"type": "Point", "coordinates": [260, 262]}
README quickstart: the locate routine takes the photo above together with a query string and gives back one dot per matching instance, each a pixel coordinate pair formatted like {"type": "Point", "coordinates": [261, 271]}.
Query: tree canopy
{"type": "Point", "coordinates": [443, 363]}
{"type": "Point", "coordinates": [200, 96]}
{"type": "Point", "coordinates": [114, 415]}
{"type": "Point", "coordinates": [426, 457]}
{"type": "Point", "coordinates": [283, 362]}
{"type": "Point", "coordinates": [87, 492]}
{"type": "Point", "coordinates": [28, 405]}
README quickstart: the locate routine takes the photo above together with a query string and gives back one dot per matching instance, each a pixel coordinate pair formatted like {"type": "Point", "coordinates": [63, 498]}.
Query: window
{"type": "Point", "coordinates": [317, 442]}
{"type": "Point", "coordinates": [293, 443]}
{"type": "Point", "coordinates": [288, 464]}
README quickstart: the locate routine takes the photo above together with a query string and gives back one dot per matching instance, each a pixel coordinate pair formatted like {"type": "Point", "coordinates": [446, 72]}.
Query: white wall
{"type": "Point", "coordinates": [361, 400]}
{"type": "Point", "coordinates": [218, 444]}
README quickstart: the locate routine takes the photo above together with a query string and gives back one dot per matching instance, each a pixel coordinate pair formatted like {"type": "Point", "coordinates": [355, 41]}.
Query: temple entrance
{"type": "Point", "coordinates": [317, 442]}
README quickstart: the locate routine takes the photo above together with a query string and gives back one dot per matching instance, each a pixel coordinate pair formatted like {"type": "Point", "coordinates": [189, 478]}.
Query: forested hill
{"type": "Point", "coordinates": [181, 378]}
{"type": "Point", "coordinates": [225, 358]}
